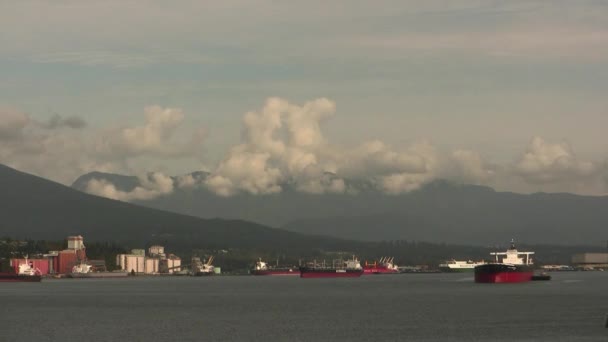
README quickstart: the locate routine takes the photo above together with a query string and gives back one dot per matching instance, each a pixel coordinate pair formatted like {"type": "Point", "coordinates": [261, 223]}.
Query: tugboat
{"type": "Point", "coordinates": [340, 269]}
{"type": "Point", "coordinates": [27, 273]}
{"type": "Point", "coordinates": [384, 266]}
{"type": "Point", "coordinates": [262, 268]}
{"type": "Point", "coordinates": [511, 269]}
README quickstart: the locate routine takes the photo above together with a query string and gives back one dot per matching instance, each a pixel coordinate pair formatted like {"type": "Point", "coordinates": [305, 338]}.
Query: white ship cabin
{"type": "Point", "coordinates": [260, 265]}
{"type": "Point", "coordinates": [513, 256]}
{"type": "Point", "coordinates": [353, 264]}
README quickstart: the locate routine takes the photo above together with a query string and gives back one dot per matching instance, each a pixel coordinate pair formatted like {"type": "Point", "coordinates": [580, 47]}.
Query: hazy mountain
{"type": "Point", "coordinates": [439, 212]}
{"type": "Point", "coordinates": [36, 208]}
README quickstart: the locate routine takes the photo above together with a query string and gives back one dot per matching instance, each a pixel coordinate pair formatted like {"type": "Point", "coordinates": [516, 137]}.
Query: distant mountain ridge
{"type": "Point", "coordinates": [439, 212]}
{"type": "Point", "coordinates": [36, 208]}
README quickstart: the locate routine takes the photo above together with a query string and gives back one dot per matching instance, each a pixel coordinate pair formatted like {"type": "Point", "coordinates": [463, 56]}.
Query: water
{"type": "Point", "coordinates": [413, 307]}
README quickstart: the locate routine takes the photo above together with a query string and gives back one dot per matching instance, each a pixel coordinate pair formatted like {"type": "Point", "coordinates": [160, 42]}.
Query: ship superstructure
{"type": "Point", "coordinates": [511, 266]}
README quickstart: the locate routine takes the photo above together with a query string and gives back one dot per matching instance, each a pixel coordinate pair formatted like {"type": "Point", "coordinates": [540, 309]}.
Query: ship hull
{"type": "Point", "coordinates": [503, 273]}
{"type": "Point", "coordinates": [99, 275]}
{"type": "Point", "coordinates": [287, 272]}
{"type": "Point", "coordinates": [375, 270]}
{"type": "Point", "coordinates": [203, 274]}
{"type": "Point", "coordinates": [329, 273]}
{"type": "Point", "coordinates": [456, 270]}
{"type": "Point", "coordinates": [12, 278]}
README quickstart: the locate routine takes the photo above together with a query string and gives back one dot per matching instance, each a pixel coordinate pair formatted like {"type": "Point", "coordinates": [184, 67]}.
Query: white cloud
{"type": "Point", "coordinates": [282, 144]}
{"type": "Point", "coordinates": [152, 186]}
{"type": "Point", "coordinates": [12, 123]}
{"type": "Point", "coordinates": [247, 171]}
{"type": "Point", "coordinates": [154, 138]}
{"type": "Point", "coordinates": [42, 148]}
{"type": "Point", "coordinates": [546, 163]}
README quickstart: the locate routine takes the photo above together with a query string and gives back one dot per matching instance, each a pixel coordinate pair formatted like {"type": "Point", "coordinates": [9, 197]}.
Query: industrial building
{"type": "Point", "coordinates": [591, 260]}
{"type": "Point", "coordinates": [156, 262]}
{"type": "Point", "coordinates": [57, 262]}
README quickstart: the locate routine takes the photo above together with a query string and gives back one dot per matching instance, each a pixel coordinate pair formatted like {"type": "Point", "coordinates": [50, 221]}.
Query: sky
{"type": "Point", "coordinates": [509, 94]}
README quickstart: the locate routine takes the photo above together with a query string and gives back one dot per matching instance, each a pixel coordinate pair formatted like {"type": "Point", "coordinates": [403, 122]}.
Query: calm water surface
{"type": "Point", "coordinates": [406, 307]}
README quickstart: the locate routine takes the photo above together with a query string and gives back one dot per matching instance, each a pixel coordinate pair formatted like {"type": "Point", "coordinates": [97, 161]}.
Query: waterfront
{"type": "Point", "coordinates": [413, 307]}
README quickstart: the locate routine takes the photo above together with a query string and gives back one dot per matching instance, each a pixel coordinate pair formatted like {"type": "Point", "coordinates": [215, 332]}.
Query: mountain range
{"type": "Point", "coordinates": [36, 208]}
{"type": "Point", "coordinates": [440, 212]}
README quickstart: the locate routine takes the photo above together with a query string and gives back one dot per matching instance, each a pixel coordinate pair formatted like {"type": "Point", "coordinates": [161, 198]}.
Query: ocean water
{"type": "Point", "coordinates": [406, 307]}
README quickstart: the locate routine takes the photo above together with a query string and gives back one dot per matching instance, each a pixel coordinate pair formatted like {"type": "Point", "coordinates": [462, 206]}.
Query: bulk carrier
{"type": "Point", "coordinates": [262, 268]}
{"type": "Point", "coordinates": [339, 269]}
{"type": "Point", "coordinates": [511, 269]}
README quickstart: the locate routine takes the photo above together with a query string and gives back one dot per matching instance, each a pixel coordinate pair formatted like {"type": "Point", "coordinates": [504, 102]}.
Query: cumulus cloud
{"type": "Point", "coordinates": [42, 148]}
{"type": "Point", "coordinates": [469, 167]}
{"type": "Point", "coordinates": [284, 143]}
{"type": "Point", "coordinates": [12, 123]}
{"type": "Point", "coordinates": [545, 162]}
{"type": "Point", "coordinates": [280, 143]}
{"type": "Point", "coordinates": [155, 137]}
{"type": "Point", "coordinates": [152, 185]}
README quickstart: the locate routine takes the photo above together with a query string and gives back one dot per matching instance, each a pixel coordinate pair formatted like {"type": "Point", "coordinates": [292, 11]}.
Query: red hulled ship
{"type": "Point", "coordinates": [262, 268]}
{"type": "Point", "coordinates": [515, 267]}
{"type": "Point", "coordinates": [383, 266]}
{"type": "Point", "coordinates": [339, 269]}
{"type": "Point", "coordinates": [26, 272]}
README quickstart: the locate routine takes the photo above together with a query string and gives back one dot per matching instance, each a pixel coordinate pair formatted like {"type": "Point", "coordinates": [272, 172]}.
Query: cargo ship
{"type": "Point", "coordinates": [262, 268]}
{"type": "Point", "coordinates": [198, 268]}
{"type": "Point", "coordinates": [460, 266]}
{"type": "Point", "coordinates": [26, 273]}
{"type": "Point", "coordinates": [339, 269]}
{"type": "Point", "coordinates": [384, 266]}
{"type": "Point", "coordinates": [513, 267]}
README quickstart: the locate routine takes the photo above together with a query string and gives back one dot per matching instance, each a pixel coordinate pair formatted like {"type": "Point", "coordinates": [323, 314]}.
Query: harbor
{"type": "Point", "coordinates": [72, 262]}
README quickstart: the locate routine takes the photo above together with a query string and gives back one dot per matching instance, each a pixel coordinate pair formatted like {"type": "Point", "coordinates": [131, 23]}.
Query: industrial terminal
{"type": "Point", "coordinates": [73, 262]}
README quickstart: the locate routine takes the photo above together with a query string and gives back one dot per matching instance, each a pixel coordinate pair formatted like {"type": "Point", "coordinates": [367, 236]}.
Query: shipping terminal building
{"type": "Point", "coordinates": [591, 261]}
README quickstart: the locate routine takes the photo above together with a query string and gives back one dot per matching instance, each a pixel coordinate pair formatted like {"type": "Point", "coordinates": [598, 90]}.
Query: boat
{"type": "Point", "coordinates": [26, 273]}
{"type": "Point", "coordinates": [384, 266]}
{"type": "Point", "coordinates": [456, 266]}
{"type": "Point", "coordinates": [262, 268]}
{"type": "Point", "coordinates": [198, 268]}
{"type": "Point", "coordinates": [339, 269]}
{"type": "Point", "coordinates": [84, 270]}
{"type": "Point", "coordinates": [514, 267]}
{"type": "Point", "coordinates": [541, 276]}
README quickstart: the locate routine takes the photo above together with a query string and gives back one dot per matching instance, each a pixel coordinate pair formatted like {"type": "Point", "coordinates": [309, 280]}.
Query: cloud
{"type": "Point", "coordinates": [12, 123]}
{"type": "Point", "coordinates": [549, 163]}
{"type": "Point", "coordinates": [42, 148]}
{"type": "Point", "coordinates": [283, 143]}
{"type": "Point", "coordinates": [154, 138]}
{"type": "Point", "coordinates": [152, 186]}
{"type": "Point", "coordinates": [280, 143]}
{"type": "Point", "coordinates": [469, 167]}
{"type": "Point", "coordinates": [57, 121]}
